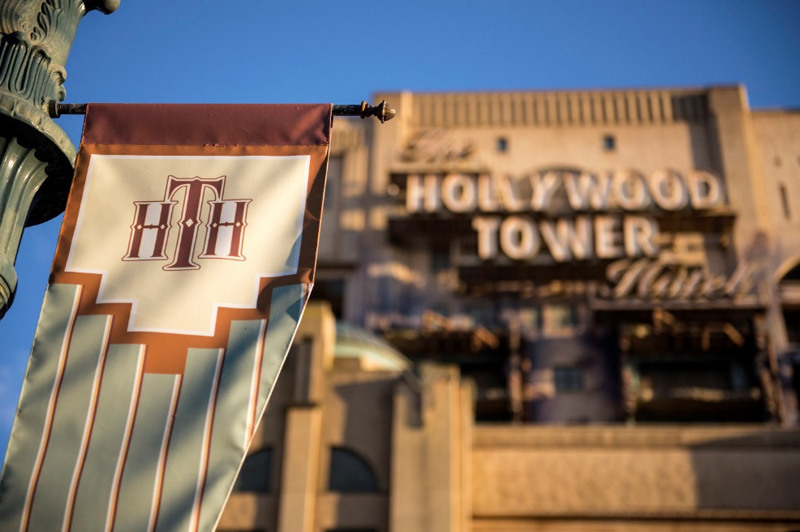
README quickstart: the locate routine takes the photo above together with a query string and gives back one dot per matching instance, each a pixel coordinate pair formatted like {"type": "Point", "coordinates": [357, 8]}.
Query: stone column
{"type": "Point", "coordinates": [431, 477]}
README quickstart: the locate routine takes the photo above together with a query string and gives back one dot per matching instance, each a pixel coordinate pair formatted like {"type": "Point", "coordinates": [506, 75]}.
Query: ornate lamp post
{"type": "Point", "coordinates": [36, 156]}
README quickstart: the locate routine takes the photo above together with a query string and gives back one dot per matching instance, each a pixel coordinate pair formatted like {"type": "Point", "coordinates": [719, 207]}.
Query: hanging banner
{"type": "Point", "coordinates": [185, 259]}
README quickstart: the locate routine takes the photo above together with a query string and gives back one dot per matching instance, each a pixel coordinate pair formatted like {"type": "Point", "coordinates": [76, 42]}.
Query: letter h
{"type": "Point", "coordinates": [149, 230]}
{"type": "Point", "coordinates": [225, 234]}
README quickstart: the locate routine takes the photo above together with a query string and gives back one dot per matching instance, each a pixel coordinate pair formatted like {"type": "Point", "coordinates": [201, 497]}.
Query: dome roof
{"type": "Point", "coordinates": [376, 354]}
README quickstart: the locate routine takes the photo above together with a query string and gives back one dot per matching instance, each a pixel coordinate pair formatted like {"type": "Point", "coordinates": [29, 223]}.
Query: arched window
{"type": "Point", "coordinates": [256, 473]}
{"type": "Point", "coordinates": [351, 473]}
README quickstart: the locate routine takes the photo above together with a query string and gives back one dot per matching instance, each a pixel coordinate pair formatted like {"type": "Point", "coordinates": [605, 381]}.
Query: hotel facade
{"type": "Point", "coordinates": [557, 310]}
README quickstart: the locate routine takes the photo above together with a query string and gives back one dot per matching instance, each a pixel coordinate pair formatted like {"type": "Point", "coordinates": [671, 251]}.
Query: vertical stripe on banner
{"type": "Point", "coordinates": [188, 450]}
{"type": "Point", "coordinates": [255, 379]}
{"type": "Point", "coordinates": [136, 503]}
{"type": "Point", "coordinates": [88, 426]}
{"type": "Point", "coordinates": [229, 438]}
{"type": "Point", "coordinates": [75, 397]}
{"type": "Point", "coordinates": [113, 423]}
{"type": "Point", "coordinates": [37, 401]}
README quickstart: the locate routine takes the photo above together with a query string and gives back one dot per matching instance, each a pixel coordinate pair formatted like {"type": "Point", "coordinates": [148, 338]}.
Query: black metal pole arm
{"type": "Point", "coordinates": [381, 111]}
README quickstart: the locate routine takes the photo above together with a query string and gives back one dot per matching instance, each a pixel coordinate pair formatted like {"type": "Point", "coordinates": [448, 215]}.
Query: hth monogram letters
{"type": "Point", "coordinates": [225, 225]}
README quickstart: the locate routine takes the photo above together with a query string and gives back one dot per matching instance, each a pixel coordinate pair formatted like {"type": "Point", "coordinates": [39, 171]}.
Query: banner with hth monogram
{"type": "Point", "coordinates": [185, 259]}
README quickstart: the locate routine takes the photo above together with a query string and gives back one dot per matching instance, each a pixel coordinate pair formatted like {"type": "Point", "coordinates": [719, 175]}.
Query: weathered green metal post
{"type": "Point", "coordinates": [36, 156]}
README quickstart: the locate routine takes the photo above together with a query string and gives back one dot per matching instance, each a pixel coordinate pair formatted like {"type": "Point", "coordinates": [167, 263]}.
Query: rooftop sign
{"type": "Point", "coordinates": [573, 214]}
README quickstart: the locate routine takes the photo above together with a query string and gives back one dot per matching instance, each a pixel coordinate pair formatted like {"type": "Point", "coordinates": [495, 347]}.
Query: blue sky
{"type": "Point", "coordinates": [342, 52]}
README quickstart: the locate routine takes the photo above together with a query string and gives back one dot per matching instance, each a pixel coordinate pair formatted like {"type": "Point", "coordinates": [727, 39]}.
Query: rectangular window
{"type": "Point", "coordinates": [530, 322]}
{"type": "Point", "coordinates": [330, 229]}
{"type": "Point", "coordinates": [332, 290]}
{"type": "Point", "coordinates": [333, 183]}
{"type": "Point", "coordinates": [559, 320]}
{"type": "Point", "coordinates": [502, 144]}
{"type": "Point", "coordinates": [785, 202]}
{"type": "Point", "coordinates": [568, 379]}
{"type": "Point", "coordinates": [440, 259]}
{"type": "Point", "coordinates": [302, 352]}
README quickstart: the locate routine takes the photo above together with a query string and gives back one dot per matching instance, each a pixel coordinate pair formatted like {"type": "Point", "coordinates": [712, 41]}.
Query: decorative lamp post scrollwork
{"type": "Point", "coordinates": [36, 156]}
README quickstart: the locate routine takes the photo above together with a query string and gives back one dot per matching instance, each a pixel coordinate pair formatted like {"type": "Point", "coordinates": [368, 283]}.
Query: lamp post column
{"type": "Point", "coordinates": [36, 156]}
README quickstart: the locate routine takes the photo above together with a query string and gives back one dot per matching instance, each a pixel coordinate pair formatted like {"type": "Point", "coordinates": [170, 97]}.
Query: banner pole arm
{"type": "Point", "coordinates": [381, 111]}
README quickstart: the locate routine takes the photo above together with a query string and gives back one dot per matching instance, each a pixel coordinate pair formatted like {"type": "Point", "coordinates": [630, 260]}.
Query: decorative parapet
{"type": "Point", "coordinates": [712, 473]}
{"type": "Point", "coordinates": [564, 108]}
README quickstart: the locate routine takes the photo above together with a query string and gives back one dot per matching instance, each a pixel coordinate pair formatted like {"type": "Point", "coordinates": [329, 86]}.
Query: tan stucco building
{"type": "Point", "coordinates": [593, 300]}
